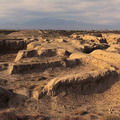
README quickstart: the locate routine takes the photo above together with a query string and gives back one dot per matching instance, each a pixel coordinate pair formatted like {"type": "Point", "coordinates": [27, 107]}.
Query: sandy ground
{"type": "Point", "coordinates": [91, 104]}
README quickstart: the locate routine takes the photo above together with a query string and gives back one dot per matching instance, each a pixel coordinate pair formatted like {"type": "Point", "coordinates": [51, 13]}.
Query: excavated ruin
{"type": "Point", "coordinates": [72, 75]}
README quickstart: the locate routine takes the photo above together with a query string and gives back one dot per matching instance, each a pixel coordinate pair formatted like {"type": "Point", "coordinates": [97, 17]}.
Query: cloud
{"type": "Point", "coordinates": [90, 11]}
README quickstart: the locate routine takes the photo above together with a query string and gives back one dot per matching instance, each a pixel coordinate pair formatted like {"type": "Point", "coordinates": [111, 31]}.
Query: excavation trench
{"type": "Point", "coordinates": [12, 45]}
{"type": "Point", "coordinates": [88, 49]}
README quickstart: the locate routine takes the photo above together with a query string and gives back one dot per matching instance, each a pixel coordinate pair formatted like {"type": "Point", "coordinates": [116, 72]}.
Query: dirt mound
{"type": "Point", "coordinates": [110, 57]}
{"type": "Point", "coordinates": [84, 83]}
{"type": "Point", "coordinates": [114, 48]}
{"type": "Point", "coordinates": [113, 38]}
{"type": "Point", "coordinates": [26, 33]}
{"type": "Point", "coordinates": [77, 55]}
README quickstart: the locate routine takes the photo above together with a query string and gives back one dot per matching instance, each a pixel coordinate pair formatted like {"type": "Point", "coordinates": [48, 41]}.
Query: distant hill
{"type": "Point", "coordinates": [50, 23]}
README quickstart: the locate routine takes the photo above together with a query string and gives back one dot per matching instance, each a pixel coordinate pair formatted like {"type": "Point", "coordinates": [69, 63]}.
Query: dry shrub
{"type": "Point", "coordinates": [68, 118]}
{"type": "Point", "coordinates": [12, 116]}
{"type": "Point", "coordinates": [77, 118]}
{"type": "Point", "coordinates": [8, 116]}
{"type": "Point", "coordinates": [110, 117]}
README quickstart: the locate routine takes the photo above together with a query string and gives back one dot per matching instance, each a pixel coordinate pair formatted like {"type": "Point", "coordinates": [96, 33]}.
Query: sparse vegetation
{"type": "Point", "coordinates": [110, 117]}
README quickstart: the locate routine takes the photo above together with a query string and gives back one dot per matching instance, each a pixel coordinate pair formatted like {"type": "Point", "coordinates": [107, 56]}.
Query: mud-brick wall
{"type": "Point", "coordinates": [1, 45]}
{"type": "Point", "coordinates": [12, 45]}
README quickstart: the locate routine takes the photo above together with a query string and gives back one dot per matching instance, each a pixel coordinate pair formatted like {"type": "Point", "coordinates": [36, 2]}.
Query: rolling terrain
{"type": "Point", "coordinates": [65, 75]}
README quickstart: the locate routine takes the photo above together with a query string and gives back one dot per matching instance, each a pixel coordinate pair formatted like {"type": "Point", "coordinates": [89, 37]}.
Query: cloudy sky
{"type": "Point", "coordinates": [98, 12]}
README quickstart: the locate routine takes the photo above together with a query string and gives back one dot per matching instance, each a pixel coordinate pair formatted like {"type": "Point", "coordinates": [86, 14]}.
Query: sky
{"type": "Point", "coordinates": [99, 12]}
